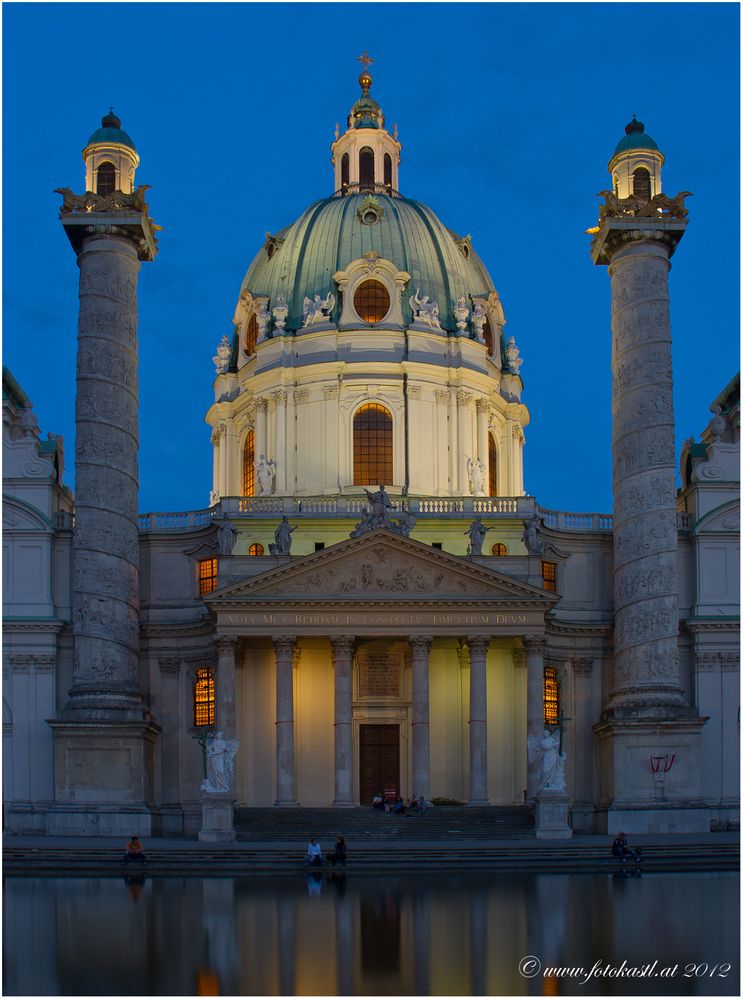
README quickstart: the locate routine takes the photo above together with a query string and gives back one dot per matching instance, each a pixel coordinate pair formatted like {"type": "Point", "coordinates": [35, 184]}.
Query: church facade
{"type": "Point", "coordinates": [371, 602]}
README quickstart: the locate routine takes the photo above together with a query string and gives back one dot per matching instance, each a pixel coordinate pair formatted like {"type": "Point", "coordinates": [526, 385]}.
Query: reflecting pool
{"type": "Point", "coordinates": [357, 935]}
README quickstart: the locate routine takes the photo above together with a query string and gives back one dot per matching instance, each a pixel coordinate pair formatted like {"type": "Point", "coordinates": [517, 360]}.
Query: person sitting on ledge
{"type": "Point", "coordinates": [399, 807]}
{"type": "Point", "coordinates": [338, 855]}
{"type": "Point", "coordinates": [134, 851]}
{"type": "Point", "coordinates": [621, 849]}
{"type": "Point", "coordinates": [378, 802]}
{"type": "Point", "coordinates": [313, 857]}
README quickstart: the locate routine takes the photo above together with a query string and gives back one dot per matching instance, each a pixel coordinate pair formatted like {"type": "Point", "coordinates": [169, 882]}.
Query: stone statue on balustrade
{"type": "Point", "coordinates": [226, 536]}
{"type": "Point", "coordinates": [476, 475]}
{"type": "Point", "coordinates": [282, 538]}
{"type": "Point", "coordinates": [318, 310]}
{"type": "Point", "coordinates": [221, 359]}
{"type": "Point", "coordinates": [265, 473]}
{"type": "Point", "coordinates": [530, 536]}
{"type": "Point", "coordinates": [378, 513]}
{"type": "Point", "coordinates": [477, 531]}
{"type": "Point", "coordinates": [425, 311]}
{"type": "Point", "coordinates": [220, 764]}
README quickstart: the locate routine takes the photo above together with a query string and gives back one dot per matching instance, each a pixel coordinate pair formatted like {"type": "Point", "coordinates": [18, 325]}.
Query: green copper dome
{"type": "Point", "coordinates": [635, 138]}
{"type": "Point", "coordinates": [111, 131]}
{"type": "Point", "coordinates": [300, 260]}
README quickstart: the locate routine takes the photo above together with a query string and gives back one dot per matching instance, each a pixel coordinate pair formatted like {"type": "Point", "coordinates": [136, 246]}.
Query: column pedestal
{"type": "Point", "coordinates": [551, 815]}
{"type": "Point", "coordinates": [217, 818]}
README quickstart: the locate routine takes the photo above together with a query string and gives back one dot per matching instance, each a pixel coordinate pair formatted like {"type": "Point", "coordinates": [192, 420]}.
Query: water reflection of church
{"type": "Point", "coordinates": [417, 635]}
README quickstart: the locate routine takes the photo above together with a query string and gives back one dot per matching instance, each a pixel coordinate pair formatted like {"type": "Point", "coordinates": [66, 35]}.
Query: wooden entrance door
{"type": "Point", "coordinates": [379, 760]}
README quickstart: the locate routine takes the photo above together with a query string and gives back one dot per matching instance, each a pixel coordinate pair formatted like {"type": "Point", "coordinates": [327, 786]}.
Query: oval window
{"type": "Point", "coordinates": [371, 301]}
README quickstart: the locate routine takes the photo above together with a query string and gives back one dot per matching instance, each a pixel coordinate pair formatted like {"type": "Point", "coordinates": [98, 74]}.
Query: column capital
{"type": "Point", "coordinates": [226, 645]}
{"type": "Point", "coordinates": [420, 644]}
{"type": "Point", "coordinates": [279, 396]}
{"type": "Point", "coordinates": [518, 657]}
{"type": "Point", "coordinates": [482, 405]}
{"type": "Point", "coordinates": [285, 645]}
{"type": "Point", "coordinates": [464, 398]}
{"type": "Point", "coordinates": [478, 644]}
{"type": "Point", "coordinates": [534, 644]}
{"type": "Point", "coordinates": [342, 646]}
{"type": "Point", "coordinates": [261, 404]}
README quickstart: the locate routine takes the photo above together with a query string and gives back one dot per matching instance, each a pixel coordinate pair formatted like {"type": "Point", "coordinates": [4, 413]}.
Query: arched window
{"type": "Point", "coordinates": [106, 179]}
{"type": "Point", "coordinates": [204, 701]}
{"type": "Point", "coordinates": [551, 696]}
{"type": "Point", "coordinates": [345, 166]}
{"type": "Point", "coordinates": [249, 464]}
{"type": "Point", "coordinates": [371, 301]}
{"type": "Point", "coordinates": [366, 169]}
{"type": "Point", "coordinates": [251, 335]}
{"type": "Point", "coordinates": [372, 446]}
{"type": "Point", "coordinates": [499, 550]}
{"type": "Point", "coordinates": [641, 183]}
{"type": "Point", "coordinates": [487, 332]}
{"type": "Point", "coordinates": [687, 471]}
{"type": "Point", "coordinates": [255, 549]}
{"type": "Point", "coordinates": [388, 171]}
{"type": "Point", "coordinates": [492, 467]}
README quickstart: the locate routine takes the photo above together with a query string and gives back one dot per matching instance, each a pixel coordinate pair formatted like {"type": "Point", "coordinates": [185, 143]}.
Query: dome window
{"type": "Point", "coordinates": [345, 168]}
{"type": "Point", "coordinates": [366, 169]}
{"type": "Point", "coordinates": [487, 333]}
{"type": "Point", "coordinates": [641, 183]}
{"type": "Point", "coordinates": [370, 211]}
{"type": "Point", "coordinates": [106, 179]}
{"type": "Point", "coordinates": [388, 172]}
{"type": "Point", "coordinates": [251, 335]}
{"type": "Point", "coordinates": [372, 446]}
{"type": "Point", "coordinates": [371, 301]}
{"type": "Point", "coordinates": [492, 468]}
{"type": "Point", "coordinates": [249, 465]}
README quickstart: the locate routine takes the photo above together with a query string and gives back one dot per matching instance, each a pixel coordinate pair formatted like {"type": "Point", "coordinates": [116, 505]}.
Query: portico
{"type": "Point", "coordinates": [381, 649]}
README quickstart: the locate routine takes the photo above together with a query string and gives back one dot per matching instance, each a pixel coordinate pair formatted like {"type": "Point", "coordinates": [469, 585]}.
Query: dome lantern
{"type": "Point", "coordinates": [636, 163]}
{"type": "Point", "coordinates": [110, 157]}
{"type": "Point", "coordinates": [366, 157]}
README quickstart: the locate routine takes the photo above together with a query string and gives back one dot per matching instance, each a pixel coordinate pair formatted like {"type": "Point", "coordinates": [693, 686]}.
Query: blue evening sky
{"type": "Point", "coordinates": [508, 114]}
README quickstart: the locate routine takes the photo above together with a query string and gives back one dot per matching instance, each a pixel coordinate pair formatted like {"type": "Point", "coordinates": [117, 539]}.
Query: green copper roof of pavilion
{"type": "Point", "coordinates": [329, 235]}
{"type": "Point", "coordinates": [634, 138]}
{"type": "Point", "coordinates": [111, 131]}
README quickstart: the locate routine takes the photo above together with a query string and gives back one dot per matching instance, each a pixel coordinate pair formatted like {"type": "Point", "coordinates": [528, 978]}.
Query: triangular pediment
{"type": "Point", "coordinates": [381, 566]}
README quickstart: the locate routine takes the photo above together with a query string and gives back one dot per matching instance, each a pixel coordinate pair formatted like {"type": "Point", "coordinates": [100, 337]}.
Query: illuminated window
{"type": "Point", "coordinates": [366, 169]}
{"type": "Point", "coordinates": [203, 697]}
{"type": "Point", "coordinates": [249, 465]}
{"type": "Point", "coordinates": [371, 301]}
{"type": "Point", "coordinates": [549, 576]}
{"type": "Point", "coordinates": [499, 550]}
{"type": "Point", "coordinates": [345, 162]}
{"type": "Point", "coordinates": [388, 171]}
{"type": "Point", "coordinates": [256, 549]}
{"type": "Point", "coordinates": [487, 333]}
{"type": "Point", "coordinates": [106, 182]}
{"type": "Point", "coordinates": [372, 446]}
{"type": "Point", "coordinates": [551, 696]}
{"type": "Point", "coordinates": [251, 335]}
{"type": "Point", "coordinates": [641, 183]}
{"type": "Point", "coordinates": [492, 467]}
{"type": "Point", "coordinates": [207, 576]}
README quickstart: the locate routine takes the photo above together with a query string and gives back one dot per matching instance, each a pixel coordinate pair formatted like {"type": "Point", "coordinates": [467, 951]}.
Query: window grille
{"type": "Point", "coordinates": [499, 550]}
{"type": "Point", "coordinates": [207, 576]}
{"type": "Point", "coordinates": [256, 549]}
{"type": "Point", "coordinates": [106, 183]}
{"type": "Point", "coordinates": [372, 446]}
{"type": "Point", "coordinates": [204, 701]}
{"type": "Point", "coordinates": [551, 696]}
{"type": "Point", "coordinates": [371, 301]}
{"type": "Point", "coordinates": [549, 576]}
{"type": "Point", "coordinates": [249, 465]}
{"type": "Point", "coordinates": [251, 335]}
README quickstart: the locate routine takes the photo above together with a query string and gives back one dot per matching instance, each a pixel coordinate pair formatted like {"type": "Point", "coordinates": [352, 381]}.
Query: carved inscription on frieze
{"type": "Point", "coordinates": [379, 672]}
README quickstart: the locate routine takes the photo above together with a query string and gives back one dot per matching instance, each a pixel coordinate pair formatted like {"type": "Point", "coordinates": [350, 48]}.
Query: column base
{"type": "Point", "coordinates": [551, 815]}
{"type": "Point", "coordinates": [217, 819]}
{"type": "Point", "coordinates": [286, 804]}
{"type": "Point", "coordinates": [479, 802]}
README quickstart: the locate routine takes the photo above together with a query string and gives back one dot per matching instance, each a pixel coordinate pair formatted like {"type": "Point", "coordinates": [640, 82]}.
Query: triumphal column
{"type": "Point", "coordinates": [648, 716]}
{"type": "Point", "coordinates": [103, 740]}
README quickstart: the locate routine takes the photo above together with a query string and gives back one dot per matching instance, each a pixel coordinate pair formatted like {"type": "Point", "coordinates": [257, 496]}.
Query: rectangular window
{"type": "Point", "coordinates": [203, 697]}
{"type": "Point", "coordinates": [207, 576]}
{"type": "Point", "coordinates": [319, 546]}
{"type": "Point", "coordinates": [551, 696]}
{"type": "Point", "coordinates": [549, 576]}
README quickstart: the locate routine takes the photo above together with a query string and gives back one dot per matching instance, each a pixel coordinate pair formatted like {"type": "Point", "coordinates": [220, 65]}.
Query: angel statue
{"type": "Point", "coordinates": [425, 310]}
{"type": "Point", "coordinates": [220, 764]}
{"type": "Point", "coordinates": [476, 474]}
{"type": "Point", "coordinates": [318, 309]}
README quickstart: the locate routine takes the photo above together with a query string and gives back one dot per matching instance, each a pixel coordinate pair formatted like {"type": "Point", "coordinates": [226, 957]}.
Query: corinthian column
{"type": "Point", "coordinates": [285, 793]}
{"type": "Point", "coordinates": [342, 646]}
{"type": "Point", "coordinates": [646, 671]}
{"type": "Point", "coordinates": [535, 646]}
{"type": "Point", "coordinates": [226, 685]}
{"type": "Point", "coordinates": [279, 397]}
{"type": "Point", "coordinates": [478, 648]}
{"type": "Point", "coordinates": [420, 646]}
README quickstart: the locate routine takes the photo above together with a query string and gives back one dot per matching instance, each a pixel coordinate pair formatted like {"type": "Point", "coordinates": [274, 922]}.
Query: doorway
{"type": "Point", "coordinates": [379, 760]}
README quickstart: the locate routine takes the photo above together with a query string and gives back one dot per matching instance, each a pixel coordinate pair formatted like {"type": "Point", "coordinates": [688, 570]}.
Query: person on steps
{"type": "Point", "coordinates": [134, 851]}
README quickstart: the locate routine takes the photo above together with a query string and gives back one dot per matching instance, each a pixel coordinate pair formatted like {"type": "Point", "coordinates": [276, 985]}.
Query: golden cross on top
{"type": "Point", "coordinates": [365, 58]}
